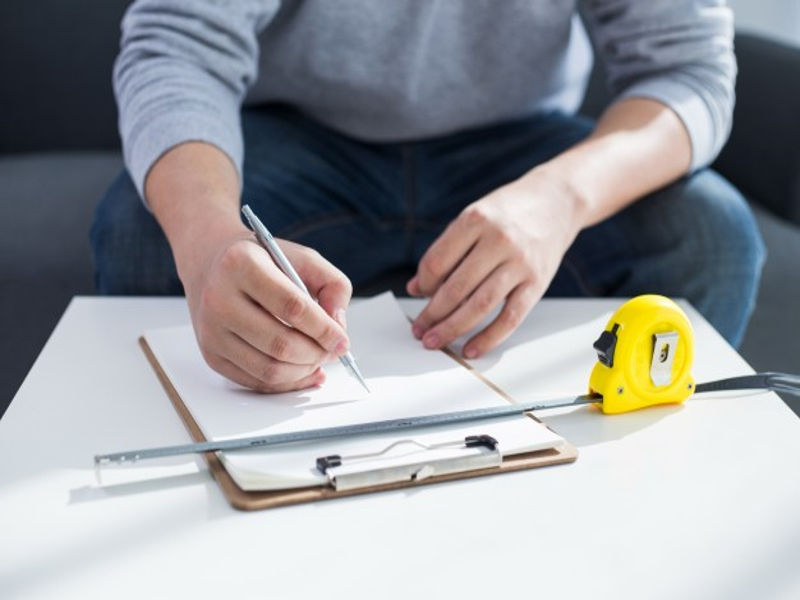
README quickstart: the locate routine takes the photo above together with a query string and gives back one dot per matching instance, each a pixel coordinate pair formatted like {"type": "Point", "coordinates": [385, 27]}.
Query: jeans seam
{"type": "Point", "coordinates": [582, 282]}
{"type": "Point", "coordinates": [298, 230]}
{"type": "Point", "coordinates": [310, 225]}
{"type": "Point", "coordinates": [410, 175]}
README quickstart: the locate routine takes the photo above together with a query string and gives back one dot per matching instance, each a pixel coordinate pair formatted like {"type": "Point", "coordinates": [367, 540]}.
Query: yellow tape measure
{"type": "Point", "coordinates": [645, 356]}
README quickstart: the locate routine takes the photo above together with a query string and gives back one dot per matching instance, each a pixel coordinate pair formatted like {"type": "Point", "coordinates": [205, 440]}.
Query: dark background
{"type": "Point", "coordinates": [55, 61]}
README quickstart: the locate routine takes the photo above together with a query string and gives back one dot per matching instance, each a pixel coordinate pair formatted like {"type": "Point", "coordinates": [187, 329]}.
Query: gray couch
{"type": "Point", "coordinates": [59, 151]}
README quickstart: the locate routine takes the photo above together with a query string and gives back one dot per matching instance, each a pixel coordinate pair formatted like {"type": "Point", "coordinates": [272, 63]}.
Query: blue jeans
{"type": "Point", "coordinates": [371, 209]}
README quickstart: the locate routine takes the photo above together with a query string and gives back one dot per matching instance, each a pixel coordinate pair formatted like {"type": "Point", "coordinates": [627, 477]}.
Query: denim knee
{"type": "Point", "coordinates": [130, 252]}
{"type": "Point", "coordinates": [695, 239]}
{"type": "Point", "coordinates": [721, 250]}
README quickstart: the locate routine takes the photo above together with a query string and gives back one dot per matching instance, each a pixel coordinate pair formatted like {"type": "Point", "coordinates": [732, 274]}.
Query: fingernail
{"type": "Point", "coordinates": [341, 317]}
{"type": "Point", "coordinates": [431, 341]}
{"type": "Point", "coordinates": [341, 347]}
{"type": "Point", "coordinates": [470, 352]}
{"type": "Point", "coordinates": [417, 331]}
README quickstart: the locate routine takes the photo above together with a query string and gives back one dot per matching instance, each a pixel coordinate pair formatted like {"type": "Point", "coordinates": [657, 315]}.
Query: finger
{"type": "Point", "coordinates": [272, 337]}
{"type": "Point", "coordinates": [272, 375]}
{"type": "Point", "coordinates": [412, 286]}
{"type": "Point", "coordinates": [278, 295]}
{"type": "Point", "coordinates": [457, 288]}
{"type": "Point", "coordinates": [334, 300]}
{"type": "Point", "coordinates": [517, 306]}
{"type": "Point", "coordinates": [444, 255]}
{"type": "Point", "coordinates": [230, 371]}
{"type": "Point", "coordinates": [329, 286]}
{"type": "Point", "coordinates": [489, 294]}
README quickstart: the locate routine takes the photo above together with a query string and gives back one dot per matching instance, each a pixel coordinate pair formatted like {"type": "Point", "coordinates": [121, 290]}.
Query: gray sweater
{"type": "Point", "coordinates": [395, 70]}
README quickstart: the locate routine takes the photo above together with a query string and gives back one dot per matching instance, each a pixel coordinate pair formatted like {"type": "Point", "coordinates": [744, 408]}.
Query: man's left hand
{"type": "Point", "coordinates": [502, 249]}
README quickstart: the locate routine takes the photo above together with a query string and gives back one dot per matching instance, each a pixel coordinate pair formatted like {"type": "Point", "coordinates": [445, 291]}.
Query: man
{"type": "Point", "coordinates": [439, 135]}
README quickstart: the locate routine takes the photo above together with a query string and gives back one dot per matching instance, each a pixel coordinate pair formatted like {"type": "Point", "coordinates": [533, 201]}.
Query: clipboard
{"type": "Point", "coordinates": [257, 500]}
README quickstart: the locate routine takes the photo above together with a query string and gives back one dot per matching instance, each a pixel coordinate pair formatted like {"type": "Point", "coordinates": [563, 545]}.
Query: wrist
{"type": "Point", "coordinates": [193, 191]}
{"type": "Point", "coordinates": [552, 181]}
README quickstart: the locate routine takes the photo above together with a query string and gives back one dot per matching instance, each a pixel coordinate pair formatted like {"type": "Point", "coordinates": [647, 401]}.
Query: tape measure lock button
{"type": "Point", "coordinates": [605, 346]}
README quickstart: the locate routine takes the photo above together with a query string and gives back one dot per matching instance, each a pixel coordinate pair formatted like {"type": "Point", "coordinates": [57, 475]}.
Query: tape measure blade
{"type": "Point", "coordinates": [563, 402]}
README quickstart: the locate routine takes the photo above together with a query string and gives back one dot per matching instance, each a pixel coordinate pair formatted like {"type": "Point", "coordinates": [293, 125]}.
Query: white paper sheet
{"type": "Point", "coordinates": [406, 380]}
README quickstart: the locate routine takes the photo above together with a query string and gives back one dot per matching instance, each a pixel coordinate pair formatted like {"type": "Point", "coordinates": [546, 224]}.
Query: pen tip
{"type": "Point", "coordinates": [362, 382]}
{"type": "Point", "coordinates": [350, 363]}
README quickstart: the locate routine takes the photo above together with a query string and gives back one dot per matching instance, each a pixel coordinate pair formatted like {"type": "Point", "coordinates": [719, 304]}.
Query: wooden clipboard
{"type": "Point", "coordinates": [256, 500]}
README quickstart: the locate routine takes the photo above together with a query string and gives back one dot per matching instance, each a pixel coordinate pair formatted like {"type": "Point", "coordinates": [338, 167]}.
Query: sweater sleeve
{"type": "Point", "coordinates": [181, 75]}
{"type": "Point", "coordinates": [678, 52]}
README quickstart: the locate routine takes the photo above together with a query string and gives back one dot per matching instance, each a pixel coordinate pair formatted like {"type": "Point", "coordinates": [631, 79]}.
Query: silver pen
{"type": "Point", "coordinates": [265, 238]}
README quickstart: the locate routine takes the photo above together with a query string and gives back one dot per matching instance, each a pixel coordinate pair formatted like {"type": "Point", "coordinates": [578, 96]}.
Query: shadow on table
{"type": "Point", "coordinates": [588, 426]}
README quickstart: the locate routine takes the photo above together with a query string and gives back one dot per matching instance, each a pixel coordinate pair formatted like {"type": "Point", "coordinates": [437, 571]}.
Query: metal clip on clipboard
{"type": "Point", "coordinates": [410, 460]}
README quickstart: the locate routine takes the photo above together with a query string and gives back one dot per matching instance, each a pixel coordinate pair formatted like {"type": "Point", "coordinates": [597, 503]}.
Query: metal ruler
{"type": "Point", "coordinates": [356, 429]}
{"type": "Point", "coordinates": [779, 382]}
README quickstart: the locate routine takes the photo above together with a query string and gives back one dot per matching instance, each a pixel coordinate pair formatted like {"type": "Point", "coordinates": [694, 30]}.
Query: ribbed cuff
{"type": "Point", "coordinates": [705, 134]}
{"type": "Point", "coordinates": [147, 143]}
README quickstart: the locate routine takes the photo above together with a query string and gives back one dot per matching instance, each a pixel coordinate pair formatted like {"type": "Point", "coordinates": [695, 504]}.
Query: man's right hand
{"type": "Point", "coordinates": [253, 325]}
{"type": "Point", "coordinates": [257, 328]}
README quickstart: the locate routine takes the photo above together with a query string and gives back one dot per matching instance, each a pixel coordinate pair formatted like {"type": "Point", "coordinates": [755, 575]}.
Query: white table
{"type": "Point", "coordinates": [700, 501]}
